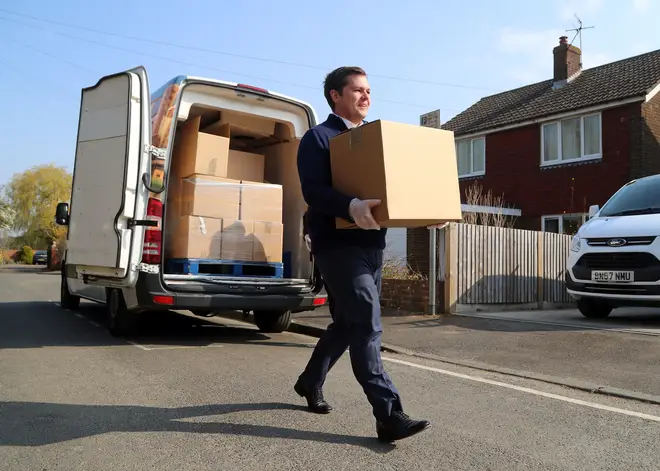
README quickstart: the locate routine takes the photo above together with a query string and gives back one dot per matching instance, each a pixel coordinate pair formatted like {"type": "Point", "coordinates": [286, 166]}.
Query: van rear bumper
{"type": "Point", "coordinates": [152, 295]}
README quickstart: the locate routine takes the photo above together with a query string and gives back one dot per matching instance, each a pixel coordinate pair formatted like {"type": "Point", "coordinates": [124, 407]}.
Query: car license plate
{"type": "Point", "coordinates": [608, 276]}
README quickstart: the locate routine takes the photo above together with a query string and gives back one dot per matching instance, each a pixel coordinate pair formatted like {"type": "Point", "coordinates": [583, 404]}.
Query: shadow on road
{"type": "Point", "coordinates": [648, 320]}
{"type": "Point", "coordinates": [38, 424]}
{"type": "Point", "coordinates": [45, 324]}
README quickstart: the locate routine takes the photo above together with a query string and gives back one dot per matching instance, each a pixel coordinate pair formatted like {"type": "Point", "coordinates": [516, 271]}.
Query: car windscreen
{"type": "Point", "coordinates": [639, 197]}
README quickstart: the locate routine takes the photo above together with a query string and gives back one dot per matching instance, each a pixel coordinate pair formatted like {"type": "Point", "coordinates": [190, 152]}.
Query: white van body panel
{"type": "Point", "coordinates": [112, 154]}
{"type": "Point", "coordinates": [228, 99]}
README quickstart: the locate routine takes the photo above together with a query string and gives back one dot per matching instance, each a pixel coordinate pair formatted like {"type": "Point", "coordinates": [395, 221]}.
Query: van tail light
{"type": "Point", "coordinates": [153, 236]}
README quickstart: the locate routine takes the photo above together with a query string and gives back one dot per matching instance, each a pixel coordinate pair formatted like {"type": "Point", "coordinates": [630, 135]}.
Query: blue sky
{"type": "Point", "coordinates": [421, 54]}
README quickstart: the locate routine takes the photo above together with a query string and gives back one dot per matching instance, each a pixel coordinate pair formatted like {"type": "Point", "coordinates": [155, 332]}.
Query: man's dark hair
{"type": "Point", "coordinates": [337, 80]}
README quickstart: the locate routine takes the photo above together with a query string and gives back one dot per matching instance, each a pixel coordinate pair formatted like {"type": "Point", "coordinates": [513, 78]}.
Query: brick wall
{"type": "Point", "coordinates": [409, 295]}
{"type": "Point", "coordinates": [513, 169]}
{"type": "Point", "coordinates": [650, 137]}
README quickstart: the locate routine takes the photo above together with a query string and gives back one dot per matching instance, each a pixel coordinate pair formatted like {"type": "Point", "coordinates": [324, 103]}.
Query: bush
{"type": "Point", "coordinates": [397, 271]}
{"type": "Point", "coordinates": [26, 255]}
{"type": "Point", "coordinates": [58, 252]}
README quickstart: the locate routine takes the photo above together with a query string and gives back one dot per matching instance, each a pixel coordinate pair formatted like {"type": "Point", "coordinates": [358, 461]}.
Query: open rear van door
{"type": "Point", "coordinates": [109, 194]}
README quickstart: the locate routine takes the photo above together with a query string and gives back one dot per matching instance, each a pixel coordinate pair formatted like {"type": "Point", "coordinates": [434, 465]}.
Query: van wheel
{"type": "Point", "coordinates": [121, 322]}
{"type": "Point", "coordinates": [68, 300]}
{"type": "Point", "coordinates": [594, 309]}
{"type": "Point", "coordinates": [272, 321]}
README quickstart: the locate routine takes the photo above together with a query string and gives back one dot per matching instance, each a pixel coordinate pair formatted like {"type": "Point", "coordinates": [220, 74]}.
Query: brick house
{"type": "Point", "coordinates": [554, 148]}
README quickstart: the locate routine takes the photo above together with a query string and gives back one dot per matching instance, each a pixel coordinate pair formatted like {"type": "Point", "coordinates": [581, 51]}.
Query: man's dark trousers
{"type": "Point", "coordinates": [352, 277]}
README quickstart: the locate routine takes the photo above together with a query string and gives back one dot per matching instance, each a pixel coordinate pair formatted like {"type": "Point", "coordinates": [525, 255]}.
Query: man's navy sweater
{"type": "Point", "coordinates": [324, 202]}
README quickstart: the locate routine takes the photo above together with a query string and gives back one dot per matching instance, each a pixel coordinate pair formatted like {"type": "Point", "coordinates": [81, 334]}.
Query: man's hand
{"type": "Point", "coordinates": [360, 211]}
{"type": "Point", "coordinates": [438, 226]}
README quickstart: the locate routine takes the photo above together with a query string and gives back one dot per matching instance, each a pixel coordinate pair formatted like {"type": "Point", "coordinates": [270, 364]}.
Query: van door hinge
{"type": "Point", "coordinates": [157, 151]}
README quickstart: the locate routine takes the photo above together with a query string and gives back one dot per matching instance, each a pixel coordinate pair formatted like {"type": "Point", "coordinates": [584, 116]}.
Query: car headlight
{"type": "Point", "coordinates": [576, 243]}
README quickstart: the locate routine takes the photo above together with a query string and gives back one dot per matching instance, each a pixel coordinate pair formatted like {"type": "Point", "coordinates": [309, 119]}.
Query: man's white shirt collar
{"type": "Point", "coordinates": [348, 124]}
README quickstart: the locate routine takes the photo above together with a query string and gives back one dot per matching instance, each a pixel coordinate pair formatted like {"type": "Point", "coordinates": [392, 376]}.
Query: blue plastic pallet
{"type": "Point", "coordinates": [196, 266]}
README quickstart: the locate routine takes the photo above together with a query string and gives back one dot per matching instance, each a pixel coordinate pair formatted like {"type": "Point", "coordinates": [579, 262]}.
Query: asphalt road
{"type": "Point", "coordinates": [220, 397]}
{"type": "Point", "coordinates": [593, 354]}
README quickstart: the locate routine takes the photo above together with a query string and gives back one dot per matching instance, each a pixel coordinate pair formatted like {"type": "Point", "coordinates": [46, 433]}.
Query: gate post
{"type": "Point", "coordinates": [451, 268]}
{"type": "Point", "coordinates": [433, 269]}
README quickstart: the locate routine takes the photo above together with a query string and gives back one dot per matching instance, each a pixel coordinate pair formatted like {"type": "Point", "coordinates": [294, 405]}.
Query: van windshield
{"type": "Point", "coordinates": [640, 197]}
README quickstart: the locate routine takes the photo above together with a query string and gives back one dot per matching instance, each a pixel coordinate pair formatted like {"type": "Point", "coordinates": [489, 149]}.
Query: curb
{"type": "Point", "coordinates": [316, 331]}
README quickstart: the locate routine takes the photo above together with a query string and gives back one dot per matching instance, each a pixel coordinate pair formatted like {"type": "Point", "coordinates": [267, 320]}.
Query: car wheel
{"type": "Point", "coordinates": [272, 321]}
{"type": "Point", "coordinates": [594, 309]}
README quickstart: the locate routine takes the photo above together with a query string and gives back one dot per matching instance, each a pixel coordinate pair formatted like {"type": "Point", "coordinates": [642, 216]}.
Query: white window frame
{"type": "Point", "coordinates": [472, 173]}
{"type": "Point", "coordinates": [582, 158]}
{"type": "Point", "coordinates": [560, 218]}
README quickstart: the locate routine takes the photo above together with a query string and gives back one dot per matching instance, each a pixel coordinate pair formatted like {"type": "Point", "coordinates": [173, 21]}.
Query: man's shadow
{"type": "Point", "coordinates": [38, 424]}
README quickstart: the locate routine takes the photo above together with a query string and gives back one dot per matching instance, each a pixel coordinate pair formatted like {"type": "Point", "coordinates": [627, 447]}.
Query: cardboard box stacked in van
{"type": "Point", "coordinates": [411, 169]}
{"type": "Point", "coordinates": [218, 204]}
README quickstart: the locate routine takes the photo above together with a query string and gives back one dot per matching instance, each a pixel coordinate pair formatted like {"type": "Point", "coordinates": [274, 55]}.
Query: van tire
{"type": "Point", "coordinates": [594, 309]}
{"type": "Point", "coordinates": [121, 322]}
{"type": "Point", "coordinates": [68, 300]}
{"type": "Point", "coordinates": [272, 321]}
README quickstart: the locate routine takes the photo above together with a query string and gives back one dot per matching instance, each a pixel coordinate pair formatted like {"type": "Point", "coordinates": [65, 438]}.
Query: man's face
{"type": "Point", "coordinates": [354, 102]}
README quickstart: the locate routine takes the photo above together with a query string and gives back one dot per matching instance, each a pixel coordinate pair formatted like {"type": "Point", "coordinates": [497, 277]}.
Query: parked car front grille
{"type": "Point", "coordinates": [636, 241]}
{"type": "Point", "coordinates": [618, 261]}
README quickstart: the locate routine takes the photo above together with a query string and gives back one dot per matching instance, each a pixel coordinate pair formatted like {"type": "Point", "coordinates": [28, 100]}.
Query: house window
{"type": "Point", "coordinates": [471, 156]}
{"type": "Point", "coordinates": [563, 223]}
{"type": "Point", "coordinates": [571, 140]}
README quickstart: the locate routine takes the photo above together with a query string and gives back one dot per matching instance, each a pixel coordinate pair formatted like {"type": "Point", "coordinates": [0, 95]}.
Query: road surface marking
{"type": "Point", "coordinates": [185, 347]}
{"type": "Point", "coordinates": [141, 347]}
{"type": "Point", "coordinates": [172, 347]}
{"type": "Point", "coordinates": [535, 392]}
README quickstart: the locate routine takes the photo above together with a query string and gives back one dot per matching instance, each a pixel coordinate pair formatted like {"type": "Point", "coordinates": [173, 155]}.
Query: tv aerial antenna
{"type": "Point", "coordinates": [578, 32]}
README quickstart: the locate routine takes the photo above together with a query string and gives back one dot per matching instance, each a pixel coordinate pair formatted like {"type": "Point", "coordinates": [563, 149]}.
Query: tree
{"type": "Point", "coordinates": [7, 216]}
{"type": "Point", "coordinates": [33, 196]}
{"type": "Point", "coordinates": [474, 195]}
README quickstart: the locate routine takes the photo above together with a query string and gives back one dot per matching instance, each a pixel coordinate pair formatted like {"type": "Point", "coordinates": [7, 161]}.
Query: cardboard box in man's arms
{"type": "Point", "coordinates": [411, 169]}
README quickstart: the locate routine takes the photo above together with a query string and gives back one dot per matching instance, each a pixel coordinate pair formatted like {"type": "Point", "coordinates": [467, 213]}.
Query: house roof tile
{"type": "Point", "coordinates": [627, 78]}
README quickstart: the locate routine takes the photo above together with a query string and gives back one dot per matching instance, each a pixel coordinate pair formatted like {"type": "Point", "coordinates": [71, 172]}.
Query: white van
{"type": "Point", "coordinates": [614, 258]}
{"type": "Point", "coordinates": [115, 250]}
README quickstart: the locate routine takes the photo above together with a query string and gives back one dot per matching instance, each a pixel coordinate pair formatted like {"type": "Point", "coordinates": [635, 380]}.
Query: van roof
{"type": "Point", "coordinates": [192, 78]}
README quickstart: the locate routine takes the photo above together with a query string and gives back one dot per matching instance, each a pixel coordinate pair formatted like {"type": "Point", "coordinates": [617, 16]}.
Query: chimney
{"type": "Point", "coordinates": [568, 60]}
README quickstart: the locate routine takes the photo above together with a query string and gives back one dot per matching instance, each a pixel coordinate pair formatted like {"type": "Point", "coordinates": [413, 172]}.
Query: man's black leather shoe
{"type": "Point", "coordinates": [315, 400]}
{"type": "Point", "coordinates": [399, 426]}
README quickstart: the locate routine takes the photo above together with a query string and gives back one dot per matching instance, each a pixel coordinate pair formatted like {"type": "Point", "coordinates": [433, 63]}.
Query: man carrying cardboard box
{"type": "Point", "coordinates": [350, 262]}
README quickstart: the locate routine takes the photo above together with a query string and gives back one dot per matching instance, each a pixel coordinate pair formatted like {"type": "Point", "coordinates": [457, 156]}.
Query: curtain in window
{"type": "Point", "coordinates": [592, 135]}
{"type": "Point", "coordinates": [571, 142]}
{"type": "Point", "coordinates": [463, 156]}
{"type": "Point", "coordinates": [550, 142]}
{"type": "Point", "coordinates": [478, 155]}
